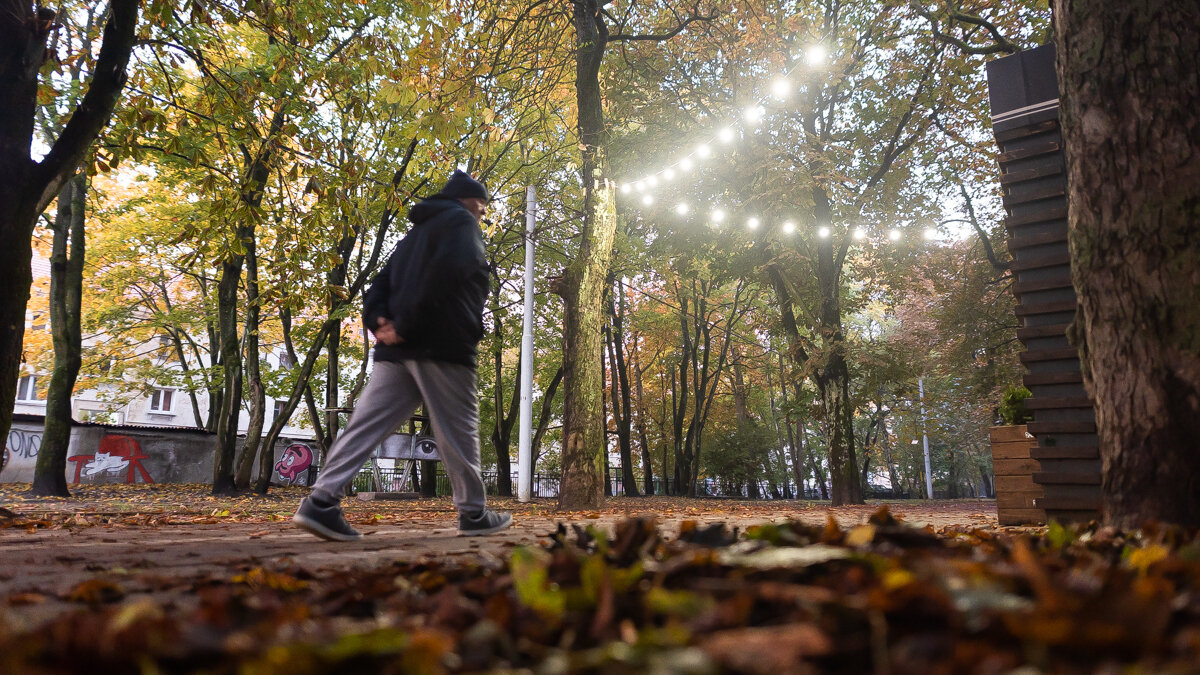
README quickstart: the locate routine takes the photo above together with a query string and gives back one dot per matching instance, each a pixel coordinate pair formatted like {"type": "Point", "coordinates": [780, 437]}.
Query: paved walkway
{"type": "Point", "coordinates": [168, 548]}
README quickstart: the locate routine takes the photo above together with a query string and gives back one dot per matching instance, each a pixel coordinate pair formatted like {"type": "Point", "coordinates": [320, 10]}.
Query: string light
{"type": "Point", "coordinates": [815, 55]}
{"type": "Point", "coordinates": [780, 88]}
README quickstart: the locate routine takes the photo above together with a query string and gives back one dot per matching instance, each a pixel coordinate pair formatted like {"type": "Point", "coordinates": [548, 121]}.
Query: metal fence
{"type": "Point", "coordinates": [546, 485]}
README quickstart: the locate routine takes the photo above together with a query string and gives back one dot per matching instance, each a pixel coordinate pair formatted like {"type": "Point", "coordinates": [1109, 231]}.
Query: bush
{"type": "Point", "coordinates": [1012, 405]}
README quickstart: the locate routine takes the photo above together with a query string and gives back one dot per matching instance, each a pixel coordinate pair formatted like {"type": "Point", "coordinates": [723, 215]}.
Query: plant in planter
{"type": "Point", "coordinates": [1012, 406]}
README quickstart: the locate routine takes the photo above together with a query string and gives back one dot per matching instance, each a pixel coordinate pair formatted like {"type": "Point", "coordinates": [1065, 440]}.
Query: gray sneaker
{"type": "Point", "coordinates": [326, 522]}
{"type": "Point", "coordinates": [485, 522]}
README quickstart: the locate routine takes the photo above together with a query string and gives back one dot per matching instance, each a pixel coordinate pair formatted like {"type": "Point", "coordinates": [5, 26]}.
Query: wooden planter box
{"type": "Point", "coordinates": [1017, 496]}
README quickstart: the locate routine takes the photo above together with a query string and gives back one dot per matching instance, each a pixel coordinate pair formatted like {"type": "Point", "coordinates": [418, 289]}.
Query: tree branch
{"type": "Point", "coordinates": [94, 112]}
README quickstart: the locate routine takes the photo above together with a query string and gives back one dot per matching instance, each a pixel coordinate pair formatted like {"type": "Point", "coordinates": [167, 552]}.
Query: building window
{"type": "Point", "coordinates": [27, 388]}
{"type": "Point", "coordinates": [162, 400]}
{"type": "Point", "coordinates": [279, 405]}
{"type": "Point", "coordinates": [285, 360]}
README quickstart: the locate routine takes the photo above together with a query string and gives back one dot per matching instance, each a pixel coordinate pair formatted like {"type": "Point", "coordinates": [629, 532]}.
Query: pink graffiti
{"type": "Point", "coordinates": [296, 459]}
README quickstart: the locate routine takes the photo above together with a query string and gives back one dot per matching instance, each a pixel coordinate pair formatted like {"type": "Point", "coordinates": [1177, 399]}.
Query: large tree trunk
{"type": "Point", "coordinates": [833, 375]}
{"type": "Point", "coordinates": [26, 186]}
{"type": "Point", "coordinates": [66, 291]}
{"type": "Point", "coordinates": [583, 285]}
{"type": "Point", "coordinates": [1127, 74]}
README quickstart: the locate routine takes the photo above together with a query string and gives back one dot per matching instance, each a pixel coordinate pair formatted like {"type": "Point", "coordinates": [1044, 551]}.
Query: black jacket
{"type": "Point", "coordinates": [433, 287]}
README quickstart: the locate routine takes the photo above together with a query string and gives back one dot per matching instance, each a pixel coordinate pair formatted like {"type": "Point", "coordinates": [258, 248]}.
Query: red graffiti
{"type": "Point", "coordinates": [115, 454]}
{"type": "Point", "coordinates": [296, 459]}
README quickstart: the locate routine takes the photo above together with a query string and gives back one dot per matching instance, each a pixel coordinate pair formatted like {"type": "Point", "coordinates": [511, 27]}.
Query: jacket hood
{"type": "Point", "coordinates": [428, 208]}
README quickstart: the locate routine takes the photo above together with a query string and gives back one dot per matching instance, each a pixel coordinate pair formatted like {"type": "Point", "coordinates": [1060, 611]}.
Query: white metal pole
{"type": "Point", "coordinates": [925, 438]}
{"type": "Point", "coordinates": [524, 449]}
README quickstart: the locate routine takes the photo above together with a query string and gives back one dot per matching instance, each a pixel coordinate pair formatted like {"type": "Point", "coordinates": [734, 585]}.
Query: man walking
{"type": "Point", "coordinates": [426, 311]}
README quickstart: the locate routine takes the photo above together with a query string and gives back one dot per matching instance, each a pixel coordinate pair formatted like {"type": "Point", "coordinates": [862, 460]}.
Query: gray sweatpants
{"type": "Point", "coordinates": [390, 397]}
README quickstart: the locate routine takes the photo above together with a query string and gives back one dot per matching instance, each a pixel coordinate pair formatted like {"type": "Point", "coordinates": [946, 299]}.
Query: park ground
{"type": "Point", "coordinates": [172, 579]}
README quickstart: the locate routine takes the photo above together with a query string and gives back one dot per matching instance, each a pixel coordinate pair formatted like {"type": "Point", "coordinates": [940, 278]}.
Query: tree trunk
{"type": "Point", "coordinates": [621, 404]}
{"type": "Point", "coordinates": [1132, 139]}
{"type": "Point", "coordinates": [258, 394]}
{"type": "Point", "coordinates": [231, 367]}
{"type": "Point", "coordinates": [544, 417]}
{"type": "Point", "coordinates": [66, 290]}
{"type": "Point", "coordinates": [583, 285]}
{"type": "Point", "coordinates": [647, 461]}
{"type": "Point", "coordinates": [26, 186]}
{"type": "Point", "coordinates": [503, 420]}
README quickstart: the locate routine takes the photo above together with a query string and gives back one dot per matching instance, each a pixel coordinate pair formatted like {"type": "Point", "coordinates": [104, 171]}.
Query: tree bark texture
{"type": "Point", "coordinates": [26, 186]}
{"type": "Point", "coordinates": [1130, 95]}
{"type": "Point", "coordinates": [66, 292]}
{"type": "Point", "coordinates": [584, 282]}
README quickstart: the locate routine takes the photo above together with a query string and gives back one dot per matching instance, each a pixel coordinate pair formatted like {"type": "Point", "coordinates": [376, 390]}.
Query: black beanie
{"type": "Point", "coordinates": [462, 186]}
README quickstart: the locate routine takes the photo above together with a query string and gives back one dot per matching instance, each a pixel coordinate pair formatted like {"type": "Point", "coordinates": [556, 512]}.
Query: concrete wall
{"type": "Point", "coordinates": [115, 453]}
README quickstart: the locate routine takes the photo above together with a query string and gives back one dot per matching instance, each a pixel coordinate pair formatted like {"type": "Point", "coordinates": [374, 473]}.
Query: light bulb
{"type": "Point", "coordinates": [685, 164]}
{"type": "Point", "coordinates": [789, 227]}
{"type": "Point", "coordinates": [718, 215]}
{"type": "Point", "coordinates": [815, 55]}
{"type": "Point", "coordinates": [668, 173]}
{"type": "Point", "coordinates": [639, 186]}
{"type": "Point", "coordinates": [725, 134]}
{"type": "Point", "coordinates": [752, 223]}
{"type": "Point", "coordinates": [781, 88]}
{"type": "Point", "coordinates": [681, 208]}
{"type": "Point", "coordinates": [929, 234]}
{"type": "Point", "coordinates": [894, 235]}
{"type": "Point", "coordinates": [754, 113]}
{"type": "Point", "coordinates": [703, 150]}
{"type": "Point", "coordinates": [652, 181]}
{"type": "Point", "coordinates": [859, 234]}
{"type": "Point", "coordinates": [625, 188]}
{"type": "Point", "coordinates": [647, 200]}
{"type": "Point", "coordinates": [823, 232]}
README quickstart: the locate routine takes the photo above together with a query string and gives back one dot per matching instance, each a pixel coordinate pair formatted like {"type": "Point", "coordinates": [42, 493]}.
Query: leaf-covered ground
{"type": "Point", "coordinates": [678, 591]}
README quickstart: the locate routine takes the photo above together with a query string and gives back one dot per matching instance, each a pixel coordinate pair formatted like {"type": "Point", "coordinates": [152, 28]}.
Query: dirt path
{"type": "Point", "coordinates": [165, 541]}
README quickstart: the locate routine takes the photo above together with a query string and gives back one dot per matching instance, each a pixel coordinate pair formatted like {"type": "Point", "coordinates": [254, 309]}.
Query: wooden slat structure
{"type": "Point", "coordinates": [1024, 98]}
{"type": "Point", "coordinates": [1017, 495]}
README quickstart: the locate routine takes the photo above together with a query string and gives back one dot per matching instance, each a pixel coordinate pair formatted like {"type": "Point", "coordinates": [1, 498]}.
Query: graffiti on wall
{"type": "Point", "coordinates": [296, 459]}
{"type": "Point", "coordinates": [117, 454]}
{"type": "Point", "coordinates": [24, 444]}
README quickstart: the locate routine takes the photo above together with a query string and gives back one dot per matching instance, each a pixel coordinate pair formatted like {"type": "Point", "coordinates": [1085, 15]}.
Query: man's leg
{"type": "Point", "coordinates": [452, 402]}
{"type": "Point", "coordinates": [389, 398]}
